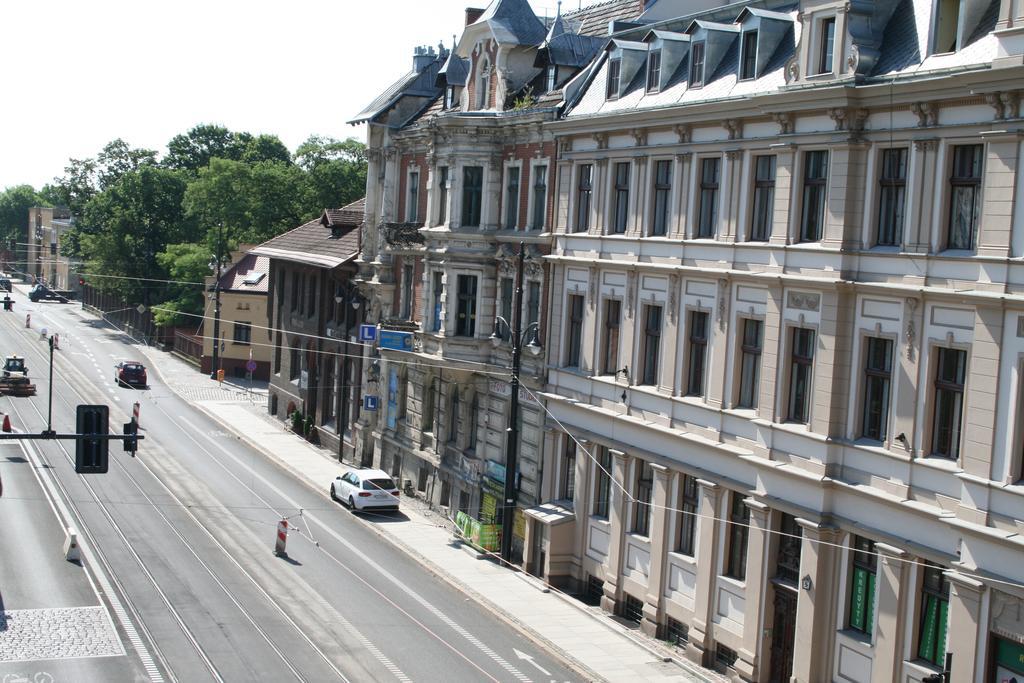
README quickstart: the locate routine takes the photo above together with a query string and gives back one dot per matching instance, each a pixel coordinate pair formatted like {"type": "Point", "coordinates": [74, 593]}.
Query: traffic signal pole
{"type": "Point", "coordinates": [49, 410]}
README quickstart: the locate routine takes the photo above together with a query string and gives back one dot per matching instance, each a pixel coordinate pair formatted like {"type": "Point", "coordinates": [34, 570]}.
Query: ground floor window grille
{"type": "Point", "coordinates": [633, 609]}
{"type": "Point", "coordinates": [725, 658]}
{"type": "Point", "coordinates": [677, 632]}
{"type": "Point", "coordinates": [594, 591]}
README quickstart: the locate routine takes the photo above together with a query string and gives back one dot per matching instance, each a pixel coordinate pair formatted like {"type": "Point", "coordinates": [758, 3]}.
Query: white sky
{"type": "Point", "coordinates": [76, 74]}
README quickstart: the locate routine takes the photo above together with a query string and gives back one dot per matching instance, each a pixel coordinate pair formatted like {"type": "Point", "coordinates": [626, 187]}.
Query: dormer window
{"type": "Point", "coordinates": [826, 45]}
{"type": "Point", "coordinates": [654, 71]}
{"type": "Point", "coordinates": [697, 65]}
{"type": "Point", "coordinates": [748, 56]}
{"type": "Point", "coordinates": [614, 69]}
{"type": "Point", "coordinates": [483, 96]}
{"type": "Point", "coordinates": [948, 26]}
{"type": "Point", "coordinates": [552, 77]}
{"type": "Point", "coordinates": [449, 97]}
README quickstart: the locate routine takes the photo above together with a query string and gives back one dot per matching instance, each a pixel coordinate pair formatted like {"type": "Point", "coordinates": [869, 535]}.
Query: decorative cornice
{"type": "Point", "coordinates": [927, 113]}
{"type": "Point", "coordinates": [734, 127]}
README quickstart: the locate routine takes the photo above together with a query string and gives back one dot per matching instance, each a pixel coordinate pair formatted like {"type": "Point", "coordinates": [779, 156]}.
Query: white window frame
{"type": "Point", "coordinates": [532, 198]}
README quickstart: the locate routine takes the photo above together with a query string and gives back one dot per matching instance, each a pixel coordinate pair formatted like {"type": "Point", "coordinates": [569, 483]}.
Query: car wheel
{"type": "Point", "coordinates": [334, 496]}
{"type": "Point", "coordinates": [352, 503]}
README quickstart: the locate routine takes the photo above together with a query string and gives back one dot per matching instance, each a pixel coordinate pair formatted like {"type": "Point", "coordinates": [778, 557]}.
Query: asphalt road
{"type": "Point", "coordinates": [185, 530]}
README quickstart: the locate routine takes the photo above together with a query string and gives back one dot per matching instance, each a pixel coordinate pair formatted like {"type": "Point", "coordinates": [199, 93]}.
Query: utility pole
{"type": "Point", "coordinates": [215, 366]}
{"type": "Point", "coordinates": [512, 448]}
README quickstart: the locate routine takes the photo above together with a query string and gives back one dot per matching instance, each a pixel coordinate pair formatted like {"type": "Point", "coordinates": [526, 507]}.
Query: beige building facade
{"type": "Point", "coordinates": [786, 339]}
{"type": "Point", "coordinates": [244, 333]}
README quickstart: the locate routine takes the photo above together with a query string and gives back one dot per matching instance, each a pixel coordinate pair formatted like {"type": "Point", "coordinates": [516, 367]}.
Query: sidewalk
{"type": "Point", "coordinates": [592, 641]}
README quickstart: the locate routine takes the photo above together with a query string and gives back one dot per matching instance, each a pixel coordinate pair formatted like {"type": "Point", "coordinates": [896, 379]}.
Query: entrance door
{"type": "Point", "coordinates": [783, 634]}
{"type": "Point", "coordinates": [540, 536]}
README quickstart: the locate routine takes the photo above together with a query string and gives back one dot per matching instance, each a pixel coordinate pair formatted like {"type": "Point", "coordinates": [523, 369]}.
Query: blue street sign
{"type": "Point", "coordinates": [250, 365]}
{"type": "Point", "coordinates": [396, 341]}
{"type": "Point", "coordinates": [369, 403]}
{"type": "Point", "coordinates": [367, 333]}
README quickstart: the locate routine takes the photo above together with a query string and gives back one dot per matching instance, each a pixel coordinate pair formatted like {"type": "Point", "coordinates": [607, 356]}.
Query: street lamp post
{"type": "Point", "coordinates": [215, 366]}
{"type": "Point", "coordinates": [512, 448]}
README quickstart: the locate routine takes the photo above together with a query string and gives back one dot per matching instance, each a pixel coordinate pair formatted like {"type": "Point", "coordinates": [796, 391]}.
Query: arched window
{"type": "Point", "coordinates": [453, 417]}
{"type": "Point", "coordinates": [427, 416]}
{"type": "Point", "coordinates": [484, 85]}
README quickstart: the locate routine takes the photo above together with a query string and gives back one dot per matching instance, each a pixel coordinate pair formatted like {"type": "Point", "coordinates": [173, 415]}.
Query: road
{"type": "Point", "coordinates": [184, 532]}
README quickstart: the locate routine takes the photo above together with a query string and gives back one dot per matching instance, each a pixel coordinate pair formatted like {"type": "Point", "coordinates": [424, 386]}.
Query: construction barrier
{"type": "Point", "coordinates": [71, 552]}
{"type": "Point", "coordinates": [56, 341]}
{"type": "Point", "coordinates": [282, 537]}
{"type": "Point", "coordinates": [135, 412]}
{"type": "Point", "coordinates": [28, 320]}
{"type": "Point", "coordinates": [7, 423]}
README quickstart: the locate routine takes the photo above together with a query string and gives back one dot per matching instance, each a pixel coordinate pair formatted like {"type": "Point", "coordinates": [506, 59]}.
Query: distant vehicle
{"type": "Point", "coordinates": [14, 365]}
{"type": "Point", "coordinates": [363, 489]}
{"type": "Point", "coordinates": [41, 292]}
{"type": "Point", "coordinates": [5, 285]}
{"type": "Point", "coordinates": [130, 373]}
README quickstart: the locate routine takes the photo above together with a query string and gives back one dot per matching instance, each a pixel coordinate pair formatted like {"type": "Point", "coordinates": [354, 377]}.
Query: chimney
{"type": "Point", "coordinates": [422, 57]}
{"type": "Point", "coordinates": [472, 14]}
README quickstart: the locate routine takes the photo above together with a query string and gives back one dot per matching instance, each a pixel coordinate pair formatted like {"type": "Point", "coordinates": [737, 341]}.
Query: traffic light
{"type": "Point", "coordinates": [91, 454]}
{"type": "Point", "coordinates": [81, 281]}
{"type": "Point", "coordinates": [131, 436]}
{"type": "Point", "coordinates": [53, 248]}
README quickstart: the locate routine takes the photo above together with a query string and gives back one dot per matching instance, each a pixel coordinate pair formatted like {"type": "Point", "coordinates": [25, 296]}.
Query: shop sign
{"type": "Point", "coordinates": [494, 470]}
{"type": "Point", "coordinates": [505, 389]}
{"type": "Point", "coordinates": [367, 333]}
{"type": "Point", "coordinates": [1009, 661]}
{"type": "Point", "coordinates": [396, 341]}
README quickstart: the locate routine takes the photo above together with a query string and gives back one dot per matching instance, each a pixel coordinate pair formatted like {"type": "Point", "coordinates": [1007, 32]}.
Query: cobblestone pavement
{"type": "Point", "coordinates": [34, 634]}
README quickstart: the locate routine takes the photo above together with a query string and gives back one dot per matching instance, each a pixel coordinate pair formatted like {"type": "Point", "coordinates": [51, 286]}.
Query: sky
{"type": "Point", "coordinates": [76, 75]}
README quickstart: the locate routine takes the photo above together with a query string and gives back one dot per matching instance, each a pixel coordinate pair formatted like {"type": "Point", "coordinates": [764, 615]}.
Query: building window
{"type": "Point", "coordinates": [892, 197]}
{"type": "Point", "coordinates": [474, 420]}
{"type": "Point", "coordinates": [610, 342]}
{"type": "Point", "coordinates": [787, 559]}
{"type": "Point", "coordinates": [662, 190]}
{"type": "Point", "coordinates": [584, 190]}
{"type": "Point", "coordinates": [484, 96]}
{"type": "Point", "coordinates": [567, 484]}
{"type": "Point", "coordinates": [642, 494]}
{"type": "Point", "coordinates": [512, 198]}
{"type": "Point", "coordinates": [862, 585]}
{"type": "Point", "coordinates": [442, 195]}
{"type": "Point", "coordinates": [602, 483]}
{"type": "Point", "coordinates": [950, 371]}
{"type": "Point", "coordinates": [815, 180]}
{"type": "Point", "coordinates": [764, 198]}
{"type": "Point", "coordinates": [654, 71]}
{"type": "Point", "coordinates": [686, 527]}
{"type": "Point", "coordinates": [449, 97]}
{"type": "Point", "coordinates": [295, 291]}
{"type": "Point", "coordinates": [697, 65]}
{"type": "Point", "coordinates": [707, 215]}
{"type": "Point", "coordinates": [540, 197]}
{"type": "Point", "coordinates": [877, 381]}
{"type": "Point", "coordinates": [533, 305]}
{"type": "Point", "coordinates": [407, 289]}
{"type": "Point", "coordinates": [277, 352]}
{"type": "Point", "coordinates": [453, 417]}
{"type": "Point", "coordinates": [947, 26]}
{"type": "Point", "coordinates": [243, 333]}
{"type": "Point", "coordinates": [614, 68]}
{"type": "Point", "coordinates": [465, 320]}
{"type": "Point", "coordinates": [725, 658]}
{"type": "Point", "coordinates": [472, 194]}
{"type": "Point", "coordinates": [412, 208]}
{"type": "Point", "coordinates": [438, 297]}
{"type": "Point", "coordinates": [826, 44]}
{"type": "Point", "coordinates": [748, 56]}
{"type": "Point", "coordinates": [676, 632]}
{"type": "Point", "coordinates": [739, 527]}
{"type": "Point", "coordinates": [651, 345]}
{"type": "Point", "coordinates": [965, 196]}
{"type": "Point", "coordinates": [750, 363]}
{"type": "Point", "coordinates": [552, 77]}
{"type": "Point", "coordinates": [620, 206]}
{"type": "Point", "coordinates": [295, 361]}
{"type": "Point", "coordinates": [632, 609]}
{"type": "Point", "coordinates": [507, 293]}
{"type": "Point", "coordinates": [427, 416]}
{"type": "Point", "coordinates": [575, 331]}
{"type": "Point", "coordinates": [698, 353]}
{"type": "Point", "coordinates": [800, 372]}
{"type": "Point", "coordinates": [931, 643]}
{"type": "Point", "coordinates": [311, 295]}
{"type": "Point", "coordinates": [421, 479]}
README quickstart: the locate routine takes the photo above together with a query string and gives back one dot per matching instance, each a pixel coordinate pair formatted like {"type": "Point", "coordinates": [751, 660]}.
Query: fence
{"type": "Point", "coordinates": [126, 317]}
{"type": "Point", "coordinates": [188, 345]}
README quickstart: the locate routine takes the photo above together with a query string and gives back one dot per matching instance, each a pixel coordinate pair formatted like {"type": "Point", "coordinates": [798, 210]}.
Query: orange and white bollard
{"type": "Point", "coordinates": [28, 320]}
{"type": "Point", "coordinates": [135, 412]}
{"type": "Point", "coordinates": [282, 537]}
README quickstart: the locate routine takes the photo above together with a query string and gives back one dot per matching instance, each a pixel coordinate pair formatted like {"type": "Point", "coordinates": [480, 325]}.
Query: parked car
{"type": "Point", "coordinates": [363, 489]}
{"type": "Point", "coordinates": [41, 292]}
{"type": "Point", "coordinates": [5, 285]}
{"type": "Point", "coordinates": [130, 373]}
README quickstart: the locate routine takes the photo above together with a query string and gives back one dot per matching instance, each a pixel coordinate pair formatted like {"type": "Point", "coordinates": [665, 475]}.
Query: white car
{"type": "Point", "coordinates": [363, 489]}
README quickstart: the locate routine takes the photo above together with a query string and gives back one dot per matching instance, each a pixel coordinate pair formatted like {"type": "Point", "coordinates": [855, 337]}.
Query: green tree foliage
{"type": "Point", "coordinates": [253, 202]}
{"type": "Point", "coordinates": [336, 170]}
{"type": "Point", "coordinates": [129, 223]}
{"type": "Point", "coordinates": [84, 178]}
{"type": "Point", "coordinates": [186, 263]}
{"type": "Point", "coordinates": [266, 148]}
{"type": "Point", "coordinates": [14, 205]}
{"type": "Point", "coordinates": [193, 150]}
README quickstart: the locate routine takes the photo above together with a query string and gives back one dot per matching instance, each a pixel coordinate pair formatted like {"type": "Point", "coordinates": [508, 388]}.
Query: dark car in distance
{"type": "Point", "coordinates": [130, 373]}
{"type": "Point", "coordinates": [5, 285]}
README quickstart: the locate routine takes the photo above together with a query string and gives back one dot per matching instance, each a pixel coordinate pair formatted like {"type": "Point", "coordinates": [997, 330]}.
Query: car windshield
{"type": "Point", "coordinates": [376, 484]}
{"type": "Point", "coordinates": [132, 368]}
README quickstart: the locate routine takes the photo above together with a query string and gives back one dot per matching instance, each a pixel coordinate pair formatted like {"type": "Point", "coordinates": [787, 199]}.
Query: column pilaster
{"type": "Point", "coordinates": [699, 647]}
{"type": "Point", "coordinates": [617, 517]}
{"type": "Point", "coordinates": [749, 661]}
{"type": "Point", "coordinates": [654, 600]}
{"type": "Point", "coordinates": [815, 612]}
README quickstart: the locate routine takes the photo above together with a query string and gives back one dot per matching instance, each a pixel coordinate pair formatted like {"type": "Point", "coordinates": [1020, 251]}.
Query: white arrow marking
{"type": "Point", "coordinates": [529, 658]}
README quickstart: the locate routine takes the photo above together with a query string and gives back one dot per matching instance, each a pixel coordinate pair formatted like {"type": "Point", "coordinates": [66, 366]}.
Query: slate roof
{"type": "Point", "coordinates": [455, 70]}
{"type": "Point", "coordinates": [565, 48]}
{"type": "Point", "coordinates": [250, 267]}
{"type": "Point", "coordinates": [594, 19]}
{"type": "Point", "coordinates": [420, 83]}
{"type": "Point", "coordinates": [314, 243]}
{"type": "Point", "coordinates": [513, 21]}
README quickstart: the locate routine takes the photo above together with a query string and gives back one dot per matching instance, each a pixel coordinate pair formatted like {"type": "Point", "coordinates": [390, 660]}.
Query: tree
{"type": "Point", "coordinates": [129, 223]}
{"type": "Point", "coordinates": [186, 263]}
{"type": "Point", "coordinates": [336, 170]}
{"type": "Point", "coordinates": [253, 202]}
{"type": "Point", "coordinates": [193, 150]}
{"type": "Point", "coordinates": [266, 148]}
{"type": "Point", "coordinates": [118, 158]}
{"type": "Point", "coordinates": [84, 178]}
{"type": "Point", "coordinates": [14, 205]}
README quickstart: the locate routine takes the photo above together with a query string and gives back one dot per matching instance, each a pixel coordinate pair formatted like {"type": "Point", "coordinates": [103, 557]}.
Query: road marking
{"type": "Point", "coordinates": [529, 658]}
